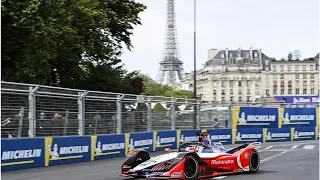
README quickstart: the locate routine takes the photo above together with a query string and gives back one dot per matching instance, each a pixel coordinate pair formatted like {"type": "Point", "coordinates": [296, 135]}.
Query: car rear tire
{"type": "Point", "coordinates": [140, 158]}
{"type": "Point", "coordinates": [190, 167]}
{"type": "Point", "coordinates": [254, 161]}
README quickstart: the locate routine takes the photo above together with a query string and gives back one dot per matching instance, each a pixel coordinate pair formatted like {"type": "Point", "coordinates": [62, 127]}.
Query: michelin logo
{"type": "Point", "coordinates": [167, 140]}
{"type": "Point", "coordinates": [21, 154]}
{"type": "Point", "coordinates": [145, 142]}
{"type": "Point", "coordinates": [287, 118]}
{"type": "Point", "coordinates": [242, 118]}
{"type": "Point", "coordinates": [56, 152]}
{"type": "Point", "coordinates": [302, 134]}
{"type": "Point", "coordinates": [108, 147]}
{"type": "Point", "coordinates": [270, 135]}
{"type": "Point", "coordinates": [220, 137]}
{"type": "Point", "coordinates": [188, 138]}
{"type": "Point", "coordinates": [247, 136]}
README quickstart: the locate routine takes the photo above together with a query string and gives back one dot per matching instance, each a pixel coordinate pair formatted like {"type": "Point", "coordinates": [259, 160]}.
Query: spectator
{"type": "Point", "coordinates": [216, 124]}
{"type": "Point", "coordinates": [226, 123]}
{"type": "Point", "coordinates": [7, 128]}
{"type": "Point", "coordinates": [40, 124]}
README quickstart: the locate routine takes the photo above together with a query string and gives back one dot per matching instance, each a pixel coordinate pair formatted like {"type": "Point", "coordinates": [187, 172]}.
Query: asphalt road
{"type": "Point", "coordinates": [281, 161]}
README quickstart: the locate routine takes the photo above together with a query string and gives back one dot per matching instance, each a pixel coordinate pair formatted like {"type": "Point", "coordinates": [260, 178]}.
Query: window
{"type": "Point", "coordinates": [311, 68]}
{"type": "Point", "coordinates": [222, 56]}
{"type": "Point", "coordinates": [274, 68]}
{"type": "Point", "coordinates": [267, 92]}
{"type": "Point", "coordinates": [240, 99]}
{"type": "Point", "coordinates": [214, 98]}
{"type": "Point", "coordinates": [312, 90]}
{"type": "Point", "coordinates": [223, 92]}
{"type": "Point", "coordinates": [222, 84]}
{"type": "Point", "coordinates": [274, 77]}
{"type": "Point", "coordinates": [304, 76]}
{"type": "Point", "coordinates": [297, 91]}
{"type": "Point", "coordinates": [289, 91]}
{"type": "Point", "coordinates": [248, 91]}
{"type": "Point", "coordinates": [230, 55]}
{"type": "Point", "coordinates": [231, 91]}
{"type": "Point", "coordinates": [282, 84]}
{"type": "Point", "coordinates": [297, 76]}
{"type": "Point", "coordinates": [231, 84]}
{"type": "Point", "coordinates": [231, 98]}
{"type": "Point", "coordinates": [304, 91]}
{"type": "Point", "coordinates": [282, 91]}
{"type": "Point", "coordinates": [214, 92]}
{"type": "Point", "coordinates": [248, 98]}
{"type": "Point", "coordinates": [282, 76]}
{"type": "Point", "coordinates": [296, 67]}
{"type": "Point", "coordinates": [281, 68]}
{"type": "Point", "coordinates": [239, 83]}
{"type": "Point", "coordinates": [247, 55]}
{"type": "Point", "coordinates": [289, 83]}
{"type": "Point", "coordinates": [304, 68]}
{"type": "Point", "coordinates": [274, 91]}
{"type": "Point", "coordinates": [289, 68]}
{"type": "Point", "coordinates": [223, 98]}
{"type": "Point", "coordinates": [255, 54]}
{"type": "Point", "coordinates": [311, 76]}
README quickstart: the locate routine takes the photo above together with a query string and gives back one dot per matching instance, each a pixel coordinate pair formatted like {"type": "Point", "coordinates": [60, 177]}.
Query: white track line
{"type": "Point", "coordinates": [308, 147]}
{"type": "Point", "coordinates": [269, 147]}
{"type": "Point", "coordinates": [272, 157]}
{"type": "Point", "coordinates": [295, 146]}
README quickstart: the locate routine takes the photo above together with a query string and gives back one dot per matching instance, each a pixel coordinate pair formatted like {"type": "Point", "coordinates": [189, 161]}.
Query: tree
{"type": "Point", "coordinates": [74, 43]}
{"type": "Point", "coordinates": [289, 56]}
{"type": "Point", "coordinates": [152, 88]}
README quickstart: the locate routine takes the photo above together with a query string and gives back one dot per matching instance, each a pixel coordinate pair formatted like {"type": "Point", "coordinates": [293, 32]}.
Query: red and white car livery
{"type": "Point", "coordinates": [193, 161]}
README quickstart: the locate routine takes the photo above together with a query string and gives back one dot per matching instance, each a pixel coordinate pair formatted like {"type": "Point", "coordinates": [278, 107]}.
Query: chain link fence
{"type": "Point", "coordinates": [37, 111]}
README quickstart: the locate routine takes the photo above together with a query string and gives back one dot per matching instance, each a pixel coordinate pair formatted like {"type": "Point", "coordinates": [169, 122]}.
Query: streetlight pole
{"type": "Point", "coordinates": [194, 67]}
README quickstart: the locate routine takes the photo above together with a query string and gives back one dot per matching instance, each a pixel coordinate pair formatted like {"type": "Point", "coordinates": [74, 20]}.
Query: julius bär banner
{"type": "Point", "coordinates": [254, 117]}
{"type": "Point", "coordinates": [64, 150]}
{"type": "Point", "coordinates": [107, 146]}
{"type": "Point", "coordinates": [22, 153]}
{"type": "Point", "coordinates": [297, 117]}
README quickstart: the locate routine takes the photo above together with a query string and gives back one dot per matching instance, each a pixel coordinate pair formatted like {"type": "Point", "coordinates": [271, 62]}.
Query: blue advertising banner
{"type": "Point", "coordinates": [297, 117]}
{"type": "Point", "coordinates": [164, 139]}
{"type": "Point", "coordinates": [22, 153]}
{"type": "Point", "coordinates": [139, 141]}
{"type": "Point", "coordinates": [276, 134]}
{"type": "Point", "coordinates": [107, 146]}
{"type": "Point", "coordinates": [241, 136]}
{"type": "Point", "coordinates": [254, 117]}
{"type": "Point", "coordinates": [187, 136]}
{"type": "Point", "coordinates": [303, 133]}
{"type": "Point", "coordinates": [220, 135]}
{"type": "Point", "coordinates": [64, 150]}
{"type": "Point", "coordinates": [298, 100]}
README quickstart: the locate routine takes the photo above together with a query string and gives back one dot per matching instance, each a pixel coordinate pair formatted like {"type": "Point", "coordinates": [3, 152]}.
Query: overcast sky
{"type": "Point", "coordinates": [275, 26]}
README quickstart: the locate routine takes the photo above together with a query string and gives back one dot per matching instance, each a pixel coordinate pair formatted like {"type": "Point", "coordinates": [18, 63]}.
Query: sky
{"type": "Point", "coordinates": [275, 26]}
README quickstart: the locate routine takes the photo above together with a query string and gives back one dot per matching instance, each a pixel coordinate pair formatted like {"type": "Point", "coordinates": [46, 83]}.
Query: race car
{"type": "Point", "coordinates": [193, 160]}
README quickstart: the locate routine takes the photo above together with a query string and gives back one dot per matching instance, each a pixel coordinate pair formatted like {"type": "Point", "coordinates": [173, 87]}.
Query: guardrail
{"type": "Point", "coordinates": [41, 152]}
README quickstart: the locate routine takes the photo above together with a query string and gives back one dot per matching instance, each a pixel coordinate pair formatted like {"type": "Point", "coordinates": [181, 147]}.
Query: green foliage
{"type": "Point", "coordinates": [158, 108]}
{"type": "Point", "coordinates": [289, 56]}
{"type": "Point", "coordinates": [152, 88]}
{"type": "Point", "coordinates": [74, 43]}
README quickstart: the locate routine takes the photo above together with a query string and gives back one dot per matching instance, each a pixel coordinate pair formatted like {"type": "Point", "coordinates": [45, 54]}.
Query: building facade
{"type": "Point", "coordinates": [249, 75]}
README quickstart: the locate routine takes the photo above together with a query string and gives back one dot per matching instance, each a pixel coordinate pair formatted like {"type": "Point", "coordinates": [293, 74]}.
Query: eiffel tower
{"type": "Point", "coordinates": [170, 64]}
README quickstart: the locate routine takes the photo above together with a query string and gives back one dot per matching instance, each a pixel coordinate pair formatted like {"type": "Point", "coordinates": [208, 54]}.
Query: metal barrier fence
{"type": "Point", "coordinates": [35, 111]}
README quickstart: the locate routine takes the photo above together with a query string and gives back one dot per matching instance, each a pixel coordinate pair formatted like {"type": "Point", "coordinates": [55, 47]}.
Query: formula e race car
{"type": "Point", "coordinates": [193, 160]}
